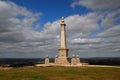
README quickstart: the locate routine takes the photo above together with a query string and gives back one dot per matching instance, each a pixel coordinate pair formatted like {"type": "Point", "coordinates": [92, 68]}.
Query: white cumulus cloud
{"type": "Point", "coordinates": [97, 4]}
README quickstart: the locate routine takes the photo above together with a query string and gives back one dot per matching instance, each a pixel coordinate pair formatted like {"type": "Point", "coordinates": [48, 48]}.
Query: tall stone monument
{"type": "Point", "coordinates": [63, 50]}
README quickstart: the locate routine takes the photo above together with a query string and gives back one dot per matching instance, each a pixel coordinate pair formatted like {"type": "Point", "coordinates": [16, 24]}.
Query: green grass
{"type": "Point", "coordinates": [60, 73]}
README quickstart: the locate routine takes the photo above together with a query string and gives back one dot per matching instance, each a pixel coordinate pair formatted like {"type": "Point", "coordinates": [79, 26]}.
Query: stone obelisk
{"type": "Point", "coordinates": [63, 51]}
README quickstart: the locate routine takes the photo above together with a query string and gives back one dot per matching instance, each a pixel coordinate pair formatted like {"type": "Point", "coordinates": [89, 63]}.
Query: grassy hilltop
{"type": "Point", "coordinates": [60, 73]}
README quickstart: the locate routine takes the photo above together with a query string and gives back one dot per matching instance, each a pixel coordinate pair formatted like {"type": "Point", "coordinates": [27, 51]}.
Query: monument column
{"type": "Point", "coordinates": [63, 51]}
{"type": "Point", "coordinates": [63, 34]}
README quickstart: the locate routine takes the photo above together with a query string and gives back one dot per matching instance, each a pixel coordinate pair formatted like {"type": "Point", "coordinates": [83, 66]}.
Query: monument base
{"type": "Point", "coordinates": [62, 61]}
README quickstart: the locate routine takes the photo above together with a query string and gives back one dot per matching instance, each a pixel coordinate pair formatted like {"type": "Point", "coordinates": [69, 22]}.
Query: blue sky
{"type": "Point", "coordinates": [31, 28]}
{"type": "Point", "coordinates": [52, 9]}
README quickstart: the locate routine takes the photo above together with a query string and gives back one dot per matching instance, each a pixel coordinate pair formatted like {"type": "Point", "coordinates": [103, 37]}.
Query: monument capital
{"type": "Point", "coordinates": [63, 21]}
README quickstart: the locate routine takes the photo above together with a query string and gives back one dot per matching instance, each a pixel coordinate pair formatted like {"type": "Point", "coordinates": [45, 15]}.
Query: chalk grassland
{"type": "Point", "coordinates": [60, 73]}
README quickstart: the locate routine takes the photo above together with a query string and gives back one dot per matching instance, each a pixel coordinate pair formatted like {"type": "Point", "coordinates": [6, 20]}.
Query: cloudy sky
{"type": "Point", "coordinates": [31, 28]}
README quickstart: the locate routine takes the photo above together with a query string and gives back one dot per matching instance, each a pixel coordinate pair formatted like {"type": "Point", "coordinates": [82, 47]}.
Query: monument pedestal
{"type": "Point", "coordinates": [62, 58]}
{"type": "Point", "coordinates": [62, 61]}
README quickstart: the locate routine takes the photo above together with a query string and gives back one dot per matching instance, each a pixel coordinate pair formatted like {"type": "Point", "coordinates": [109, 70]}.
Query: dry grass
{"type": "Point", "coordinates": [60, 73]}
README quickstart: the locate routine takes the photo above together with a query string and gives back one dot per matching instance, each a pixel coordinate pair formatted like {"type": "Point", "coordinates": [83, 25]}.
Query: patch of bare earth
{"type": "Point", "coordinates": [5, 68]}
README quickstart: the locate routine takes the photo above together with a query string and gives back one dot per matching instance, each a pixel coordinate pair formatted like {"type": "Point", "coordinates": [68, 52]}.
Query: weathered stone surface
{"type": "Point", "coordinates": [47, 60]}
{"type": "Point", "coordinates": [62, 61]}
{"type": "Point", "coordinates": [56, 58]}
{"type": "Point", "coordinates": [77, 59]}
{"type": "Point", "coordinates": [73, 60]}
